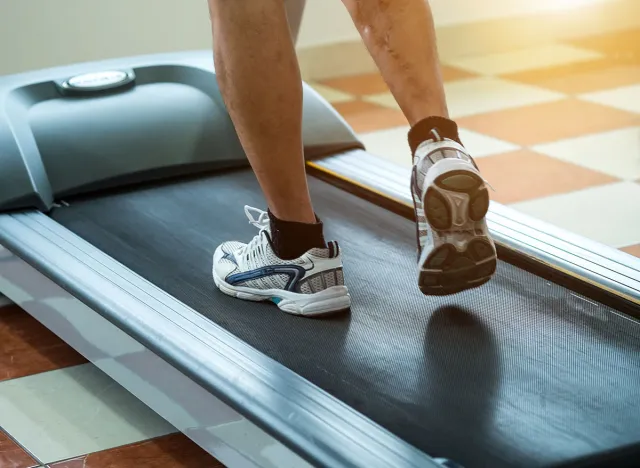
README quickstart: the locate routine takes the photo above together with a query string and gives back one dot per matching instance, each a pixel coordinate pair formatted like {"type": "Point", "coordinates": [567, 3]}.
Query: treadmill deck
{"type": "Point", "coordinates": [520, 372]}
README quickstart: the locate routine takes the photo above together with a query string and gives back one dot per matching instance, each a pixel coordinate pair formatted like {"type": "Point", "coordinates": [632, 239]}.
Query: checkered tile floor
{"type": "Point", "coordinates": [556, 131]}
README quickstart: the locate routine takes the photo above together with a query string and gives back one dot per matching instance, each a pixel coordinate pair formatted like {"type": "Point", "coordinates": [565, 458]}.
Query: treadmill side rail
{"type": "Point", "coordinates": [313, 424]}
{"type": "Point", "coordinates": [608, 274]}
{"type": "Point", "coordinates": [187, 406]}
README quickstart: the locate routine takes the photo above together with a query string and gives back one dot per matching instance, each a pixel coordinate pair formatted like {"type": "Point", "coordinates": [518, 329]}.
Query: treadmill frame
{"type": "Point", "coordinates": [73, 288]}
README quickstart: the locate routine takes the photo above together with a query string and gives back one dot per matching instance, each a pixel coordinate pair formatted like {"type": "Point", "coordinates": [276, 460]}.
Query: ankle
{"type": "Point", "coordinates": [291, 239]}
{"type": "Point", "coordinates": [422, 131]}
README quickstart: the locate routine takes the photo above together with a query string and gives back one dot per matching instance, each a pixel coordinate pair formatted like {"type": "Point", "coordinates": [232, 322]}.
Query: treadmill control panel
{"type": "Point", "coordinates": [97, 82]}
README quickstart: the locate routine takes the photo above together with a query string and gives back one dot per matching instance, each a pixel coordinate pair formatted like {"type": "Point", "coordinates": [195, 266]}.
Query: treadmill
{"type": "Point", "coordinates": [119, 178]}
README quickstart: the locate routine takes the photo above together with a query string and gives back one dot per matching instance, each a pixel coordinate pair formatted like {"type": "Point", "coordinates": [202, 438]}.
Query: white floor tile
{"type": "Point", "coordinates": [627, 98]}
{"type": "Point", "coordinates": [616, 153]}
{"type": "Point", "coordinates": [480, 145]}
{"type": "Point", "coordinates": [524, 59]}
{"type": "Point", "coordinates": [74, 411]}
{"type": "Point", "coordinates": [385, 99]}
{"type": "Point", "coordinates": [480, 95]}
{"type": "Point", "coordinates": [333, 96]}
{"type": "Point", "coordinates": [607, 214]}
{"type": "Point", "coordinates": [392, 144]}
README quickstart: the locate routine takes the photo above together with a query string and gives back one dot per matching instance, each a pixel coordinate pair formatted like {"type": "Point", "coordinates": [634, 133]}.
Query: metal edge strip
{"type": "Point", "coordinates": [320, 428]}
{"type": "Point", "coordinates": [582, 259]}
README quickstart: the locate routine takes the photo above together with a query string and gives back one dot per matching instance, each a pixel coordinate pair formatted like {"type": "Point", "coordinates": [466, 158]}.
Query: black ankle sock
{"type": "Point", "coordinates": [422, 131]}
{"type": "Point", "coordinates": [290, 239]}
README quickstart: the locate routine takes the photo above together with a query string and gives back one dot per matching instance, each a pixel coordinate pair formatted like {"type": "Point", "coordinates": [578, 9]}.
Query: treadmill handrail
{"type": "Point", "coordinates": [314, 424]}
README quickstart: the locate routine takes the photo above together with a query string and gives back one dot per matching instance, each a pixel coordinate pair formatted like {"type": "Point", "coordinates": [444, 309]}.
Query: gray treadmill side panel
{"type": "Point", "coordinates": [23, 179]}
{"type": "Point", "coordinates": [171, 121]}
{"type": "Point", "coordinates": [315, 425]}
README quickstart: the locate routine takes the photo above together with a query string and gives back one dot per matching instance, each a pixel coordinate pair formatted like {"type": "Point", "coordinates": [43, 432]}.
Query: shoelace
{"type": "Point", "coordinates": [261, 221]}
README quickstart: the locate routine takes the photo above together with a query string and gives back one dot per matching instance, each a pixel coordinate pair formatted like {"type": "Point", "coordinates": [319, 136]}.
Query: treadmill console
{"type": "Point", "coordinates": [88, 127]}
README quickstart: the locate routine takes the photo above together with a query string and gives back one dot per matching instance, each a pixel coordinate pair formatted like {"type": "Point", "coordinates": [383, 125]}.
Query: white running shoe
{"type": "Point", "coordinates": [451, 200]}
{"type": "Point", "coordinates": [312, 284]}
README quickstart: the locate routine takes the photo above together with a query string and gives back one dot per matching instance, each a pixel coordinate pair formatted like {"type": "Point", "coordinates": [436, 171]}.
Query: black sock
{"type": "Point", "coordinates": [421, 131]}
{"type": "Point", "coordinates": [290, 239]}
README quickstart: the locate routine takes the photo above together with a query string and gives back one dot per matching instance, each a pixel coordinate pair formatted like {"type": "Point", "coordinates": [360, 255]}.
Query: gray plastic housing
{"type": "Point", "coordinates": [61, 136]}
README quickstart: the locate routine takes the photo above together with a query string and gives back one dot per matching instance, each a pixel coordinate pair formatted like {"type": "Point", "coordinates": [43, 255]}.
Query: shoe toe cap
{"type": "Point", "coordinates": [222, 264]}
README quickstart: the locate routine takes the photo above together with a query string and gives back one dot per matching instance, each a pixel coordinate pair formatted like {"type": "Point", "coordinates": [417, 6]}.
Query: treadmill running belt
{"type": "Point", "coordinates": [521, 372]}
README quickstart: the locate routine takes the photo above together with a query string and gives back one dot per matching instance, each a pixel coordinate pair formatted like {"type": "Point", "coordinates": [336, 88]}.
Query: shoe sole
{"type": "Point", "coordinates": [464, 256]}
{"type": "Point", "coordinates": [330, 301]}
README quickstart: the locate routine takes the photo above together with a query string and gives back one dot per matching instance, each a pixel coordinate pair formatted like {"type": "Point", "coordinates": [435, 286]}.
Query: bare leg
{"type": "Point", "coordinates": [260, 82]}
{"type": "Point", "coordinates": [400, 36]}
{"type": "Point", "coordinates": [450, 197]}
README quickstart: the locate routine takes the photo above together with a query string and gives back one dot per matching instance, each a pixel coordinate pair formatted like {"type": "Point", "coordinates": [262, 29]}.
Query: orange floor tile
{"type": "Point", "coordinates": [548, 122]}
{"type": "Point", "coordinates": [365, 117]}
{"type": "Point", "coordinates": [525, 175]}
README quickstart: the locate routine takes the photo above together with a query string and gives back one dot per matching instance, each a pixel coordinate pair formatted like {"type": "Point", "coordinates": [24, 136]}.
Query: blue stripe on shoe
{"type": "Point", "coordinates": [294, 272]}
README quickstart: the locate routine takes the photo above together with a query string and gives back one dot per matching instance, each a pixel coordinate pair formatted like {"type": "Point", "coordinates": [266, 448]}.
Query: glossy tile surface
{"type": "Point", "coordinates": [173, 451]}
{"type": "Point", "coordinates": [481, 95]}
{"type": "Point", "coordinates": [393, 144]}
{"type": "Point", "coordinates": [607, 214]}
{"type": "Point", "coordinates": [331, 95]}
{"type": "Point", "coordinates": [358, 85]}
{"type": "Point", "coordinates": [390, 144]}
{"type": "Point", "coordinates": [27, 347]}
{"type": "Point", "coordinates": [526, 175]}
{"type": "Point", "coordinates": [616, 153]}
{"type": "Point", "coordinates": [12, 455]}
{"type": "Point", "coordinates": [365, 117]}
{"type": "Point", "coordinates": [542, 123]}
{"type": "Point", "coordinates": [632, 250]}
{"type": "Point", "coordinates": [73, 411]}
{"type": "Point", "coordinates": [626, 98]}
{"type": "Point", "coordinates": [621, 44]}
{"type": "Point", "coordinates": [580, 78]}
{"type": "Point", "coordinates": [524, 59]}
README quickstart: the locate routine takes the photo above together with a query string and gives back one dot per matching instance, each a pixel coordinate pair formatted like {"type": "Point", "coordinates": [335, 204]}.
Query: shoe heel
{"type": "Point", "coordinates": [454, 199]}
{"type": "Point", "coordinates": [448, 270]}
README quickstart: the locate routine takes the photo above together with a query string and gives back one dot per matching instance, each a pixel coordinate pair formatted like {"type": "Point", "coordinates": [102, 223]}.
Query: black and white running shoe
{"type": "Point", "coordinates": [310, 285]}
{"type": "Point", "coordinates": [451, 201]}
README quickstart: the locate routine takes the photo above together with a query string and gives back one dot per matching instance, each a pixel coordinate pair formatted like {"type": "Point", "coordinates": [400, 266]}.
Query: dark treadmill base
{"type": "Point", "coordinates": [520, 372]}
